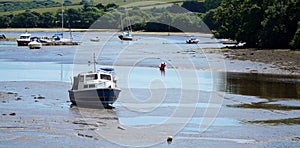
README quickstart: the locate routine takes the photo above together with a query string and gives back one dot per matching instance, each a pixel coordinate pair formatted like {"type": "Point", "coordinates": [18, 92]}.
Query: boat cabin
{"type": "Point", "coordinates": [25, 36]}
{"type": "Point", "coordinates": [94, 80]}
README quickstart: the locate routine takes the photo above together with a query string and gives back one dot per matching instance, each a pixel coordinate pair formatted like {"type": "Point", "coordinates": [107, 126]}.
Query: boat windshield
{"type": "Point", "coordinates": [91, 77]}
{"type": "Point", "coordinates": [105, 77]}
{"type": "Point", "coordinates": [24, 37]}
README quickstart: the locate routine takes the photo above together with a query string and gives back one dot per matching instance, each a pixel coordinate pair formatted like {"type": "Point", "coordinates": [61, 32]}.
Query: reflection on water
{"type": "Point", "coordinates": [281, 93]}
{"type": "Point", "coordinates": [267, 86]}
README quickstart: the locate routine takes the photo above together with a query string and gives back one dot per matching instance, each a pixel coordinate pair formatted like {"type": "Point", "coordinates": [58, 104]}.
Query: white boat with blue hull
{"type": "Point", "coordinates": [96, 89]}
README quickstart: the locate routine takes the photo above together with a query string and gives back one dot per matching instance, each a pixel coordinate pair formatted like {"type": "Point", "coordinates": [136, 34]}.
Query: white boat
{"type": "Point", "coordinates": [24, 39]}
{"type": "Point", "coordinates": [35, 43]}
{"type": "Point", "coordinates": [45, 39]}
{"type": "Point", "coordinates": [58, 37]}
{"type": "Point", "coordinates": [192, 40]}
{"type": "Point", "coordinates": [96, 39]}
{"type": "Point", "coordinates": [97, 89]}
{"type": "Point", "coordinates": [126, 36]}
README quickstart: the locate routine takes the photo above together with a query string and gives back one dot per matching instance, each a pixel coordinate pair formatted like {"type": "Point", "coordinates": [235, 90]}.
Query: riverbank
{"type": "Point", "coordinates": [283, 59]}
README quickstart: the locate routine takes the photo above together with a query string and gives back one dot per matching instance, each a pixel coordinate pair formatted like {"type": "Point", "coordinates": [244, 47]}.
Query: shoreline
{"type": "Point", "coordinates": [95, 30]}
{"type": "Point", "coordinates": [281, 59]}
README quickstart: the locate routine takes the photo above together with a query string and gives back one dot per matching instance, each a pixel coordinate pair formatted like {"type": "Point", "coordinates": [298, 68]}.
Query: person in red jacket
{"type": "Point", "coordinates": [162, 67]}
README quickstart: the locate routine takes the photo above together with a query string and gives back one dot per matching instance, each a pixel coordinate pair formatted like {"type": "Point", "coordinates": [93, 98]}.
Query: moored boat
{"type": "Point", "coordinates": [24, 39]}
{"type": "Point", "coordinates": [35, 43]}
{"type": "Point", "coordinates": [192, 40]}
{"type": "Point", "coordinates": [126, 36]}
{"type": "Point", "coordinates": [96, 39]}
{"type": "Point", "coordinates": [45, 39]}
{"type": "Point", "coordinates": [97, 89]}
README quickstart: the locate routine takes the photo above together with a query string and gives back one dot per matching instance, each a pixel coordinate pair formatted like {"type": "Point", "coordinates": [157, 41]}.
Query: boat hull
{"type": "Point", "coordinates": [125, 38]}
{"type": "Point", "coordinates": [94, 98]}
{"type": "Point", "coordinates": [23, 43]}
{"type": "Point", "coordinates": [192, 42]}
{"type": "Point", "coordinates": [35, 45]}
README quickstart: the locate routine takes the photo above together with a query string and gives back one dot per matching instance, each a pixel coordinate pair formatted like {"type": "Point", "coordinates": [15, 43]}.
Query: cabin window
{"type": "Point", "coordinates": [105, 77]}
{"type": "Point", "coordinates": [81, 78]}
{"type": "Point", "coordinates": [92, 86]}
{"type": "Point", "coordinates": [91, 77]}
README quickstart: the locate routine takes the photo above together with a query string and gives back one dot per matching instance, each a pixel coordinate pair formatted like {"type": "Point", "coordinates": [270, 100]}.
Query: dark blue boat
{"type": "Point", "coordinates": [95, 89]}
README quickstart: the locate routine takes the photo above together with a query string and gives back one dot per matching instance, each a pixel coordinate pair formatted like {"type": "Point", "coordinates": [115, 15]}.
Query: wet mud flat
{"type": "Point", "coordinates": [37, 114]}
{"type": "Point", "coordinates": [283, 59]}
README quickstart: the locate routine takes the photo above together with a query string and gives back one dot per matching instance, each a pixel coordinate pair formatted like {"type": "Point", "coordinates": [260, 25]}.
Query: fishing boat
{"type": "Point", "coordinates": [192, 40]}
{"type": "Point", "coordinates": [35, 43]}
{"type": "Point", "coordinates": [96, 89]}
{"type": "Point", "coordinates": [24, 39]}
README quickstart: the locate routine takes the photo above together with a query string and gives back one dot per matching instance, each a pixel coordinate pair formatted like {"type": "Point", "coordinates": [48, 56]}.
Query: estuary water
{"type": "Point", "coordinates": [196, 100]}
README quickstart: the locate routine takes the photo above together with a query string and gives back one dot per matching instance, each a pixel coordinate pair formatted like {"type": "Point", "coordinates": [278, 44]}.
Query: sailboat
{"type": "Point", "coordinates": [59, 37]}
{"type": "Point", "coordinates": [126, 35]}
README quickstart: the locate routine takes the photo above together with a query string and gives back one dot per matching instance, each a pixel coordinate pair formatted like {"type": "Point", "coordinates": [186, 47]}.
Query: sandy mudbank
{"type": "Point", "coordinates": [283, 59]}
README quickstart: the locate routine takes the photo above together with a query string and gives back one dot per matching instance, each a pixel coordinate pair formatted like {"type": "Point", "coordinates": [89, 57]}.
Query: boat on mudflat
{"type": "Point", "coordinates": [96, 89]}
{"type": "Point", "coordinates": [96, 39]}
{"type": "Point", "coordinates": [192, 40]}
{"type": "Point", "coordinates": [126, 36]}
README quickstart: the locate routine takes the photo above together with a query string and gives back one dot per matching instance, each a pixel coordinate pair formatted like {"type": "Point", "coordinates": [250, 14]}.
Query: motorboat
{"type": "Point", "coordinates": [45, 39]}
{"type": "Point", "coordinates": [96, 39]}
{"type": "Point", "coordinates": [192, 40]}
{"type": "Point", "coordinates": [2, 36]}
{"type": "Point", "coordinates": [126, 36]}
{"type": "Point", "coordinates": [24, 39]}
{"type": "Point", "coordinates": [96, 89]}
{"type": "Point", "coordinates": [35, 43]}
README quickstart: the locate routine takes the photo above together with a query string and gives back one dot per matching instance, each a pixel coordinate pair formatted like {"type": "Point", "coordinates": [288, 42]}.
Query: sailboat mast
{"type": "Point", "coordinates": [128, 21]}
{"type": "Point", "coordinates": [122, 29]}
{"type": "Point", "coordinates": [62, 18]}
{"type": "Point", "coordinates": [94, 62]}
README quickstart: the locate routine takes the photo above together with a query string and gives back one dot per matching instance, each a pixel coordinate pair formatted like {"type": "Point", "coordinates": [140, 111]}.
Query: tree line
{"type": "Point", "coordinates": [259, 23]}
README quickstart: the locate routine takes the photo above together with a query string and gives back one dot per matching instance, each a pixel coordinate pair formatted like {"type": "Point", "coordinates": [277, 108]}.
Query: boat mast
{"type": "Point", "coordinates": [62, 18]}
{"type": "Point", "coordinates": [94, 62]}
{"type": "Point", "coordinates": [128, 21]}
{"type": "Point", "coordinates": [121, 23]}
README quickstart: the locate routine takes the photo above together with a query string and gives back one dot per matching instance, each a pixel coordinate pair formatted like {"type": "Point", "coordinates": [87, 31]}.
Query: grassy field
{"type": "Point", "coordinates": [118, 2]}
{"type": "Point", "coordinates": [129, 3]}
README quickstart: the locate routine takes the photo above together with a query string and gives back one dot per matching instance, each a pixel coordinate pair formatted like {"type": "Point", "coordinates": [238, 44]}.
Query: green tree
{"type": "Point", "coordinates": [212, 4]}
{"type": "Point", "coordinates": [24, 20]}
{"type": "Point", "coordinates": [46, 20]}
{"type": "Point", "coordinates": [194, 6]}
{"type": "Point", "coordinates": [295, 43]}
{"type": "Point", "coordinates": [267, 24]}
